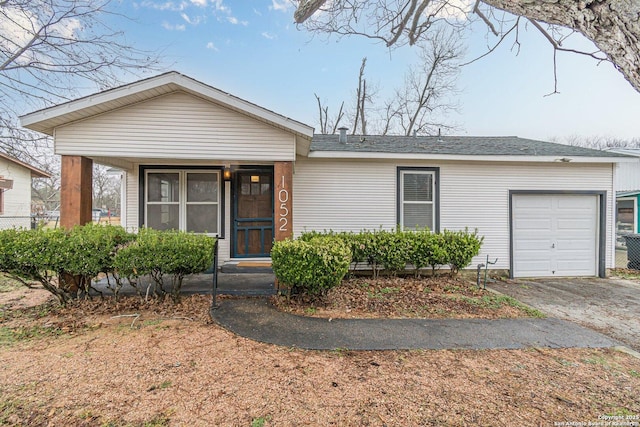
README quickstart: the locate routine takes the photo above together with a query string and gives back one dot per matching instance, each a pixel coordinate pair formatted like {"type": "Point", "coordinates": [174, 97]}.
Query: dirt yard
{"type": "Point", "coordinates": [135, 364]}
{"type": "Point", "coordinates": [432, 297]}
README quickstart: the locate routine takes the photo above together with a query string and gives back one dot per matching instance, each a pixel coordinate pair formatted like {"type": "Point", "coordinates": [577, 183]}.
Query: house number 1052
{"type": "Point", "coordinates": [283, 198]}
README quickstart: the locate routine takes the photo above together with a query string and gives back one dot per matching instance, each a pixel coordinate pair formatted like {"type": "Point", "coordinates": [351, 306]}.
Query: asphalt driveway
{"type": "Point", "coordinates": [610, 306]}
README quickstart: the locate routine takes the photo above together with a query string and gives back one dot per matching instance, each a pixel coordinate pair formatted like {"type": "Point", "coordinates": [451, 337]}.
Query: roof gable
{"type": "Point", "coordinates": [48, 119]}
{"type": "Point", "coordinates": [35, 172]}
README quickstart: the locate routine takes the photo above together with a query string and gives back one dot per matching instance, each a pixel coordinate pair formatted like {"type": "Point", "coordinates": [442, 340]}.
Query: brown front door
{"type": "Point", "coordinates": [253, 212]}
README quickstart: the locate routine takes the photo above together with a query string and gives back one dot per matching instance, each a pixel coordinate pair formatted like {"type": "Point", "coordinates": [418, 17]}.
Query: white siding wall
{"type": "Point", "coordinates": [17, 201]}
{"type": "Point", "coordinates": [628, 176]}
{"type": "Point", "coordinates": [132, 213]}
{"type": "Point", "coordinates": [175, 126]}
{"type": "Point", "coordinates": [361, 194]}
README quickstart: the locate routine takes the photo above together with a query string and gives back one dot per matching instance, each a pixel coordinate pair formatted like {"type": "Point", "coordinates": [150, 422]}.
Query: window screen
{"type": "Point", "coordinates": [417, 201]}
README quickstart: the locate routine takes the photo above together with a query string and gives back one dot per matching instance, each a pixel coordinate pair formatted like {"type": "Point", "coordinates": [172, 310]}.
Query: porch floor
{"type": "Point", "coordinates": [240, 282]}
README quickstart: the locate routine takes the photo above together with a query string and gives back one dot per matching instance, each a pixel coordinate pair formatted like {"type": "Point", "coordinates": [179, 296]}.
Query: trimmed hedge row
{"type": "Point", "coordinates": [66, 261]}
{"type": "Point", "coordinates": [393, 251]}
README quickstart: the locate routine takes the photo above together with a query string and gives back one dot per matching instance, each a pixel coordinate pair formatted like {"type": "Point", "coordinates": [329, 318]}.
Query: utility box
{"type": "Point", "coordinates": [633, 251]}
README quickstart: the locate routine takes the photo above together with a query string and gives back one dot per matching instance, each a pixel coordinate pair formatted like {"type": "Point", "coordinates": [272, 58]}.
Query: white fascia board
{"type": "Point", "coordinates": [96, 99]}
{"type": "Point", "coordinates": [247, 107]}
{"type": "Point", "coordinates": [472, 158]}
{"type": "Point", "coordinates": [114, 162]}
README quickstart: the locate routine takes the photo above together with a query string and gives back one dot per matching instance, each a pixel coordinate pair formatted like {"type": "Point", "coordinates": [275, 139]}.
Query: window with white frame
{"type": "Point", "coordinates": [417, 201]}
{"type": "Point", "coordinates": [186, 200]}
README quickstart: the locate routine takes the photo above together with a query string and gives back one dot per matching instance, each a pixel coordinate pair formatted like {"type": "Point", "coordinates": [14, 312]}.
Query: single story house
{"type": "Point", "coordinates": [15, 191]}
{"type": "Point", "coordinates": [199, 159]}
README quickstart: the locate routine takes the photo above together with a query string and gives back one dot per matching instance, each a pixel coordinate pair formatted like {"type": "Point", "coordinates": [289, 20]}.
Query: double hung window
{"type": "Point", "coordinates": [417, 204]}
{"type": "Point", "coordinates": [186, 200]}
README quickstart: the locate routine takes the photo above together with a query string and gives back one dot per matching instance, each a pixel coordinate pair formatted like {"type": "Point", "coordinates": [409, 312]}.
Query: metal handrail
{"type": "Point", "coordinates": [214, 284]}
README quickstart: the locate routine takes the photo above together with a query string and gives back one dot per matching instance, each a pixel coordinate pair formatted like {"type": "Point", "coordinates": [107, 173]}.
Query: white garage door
{"type": "Point", "coordinates": [554, 235]}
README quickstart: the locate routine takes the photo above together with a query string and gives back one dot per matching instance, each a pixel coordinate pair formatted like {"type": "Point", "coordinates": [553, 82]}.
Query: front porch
{"type": "Point", "coordinates": [193, 158]}
{"type": "Point", "coordinates": [233, 278]}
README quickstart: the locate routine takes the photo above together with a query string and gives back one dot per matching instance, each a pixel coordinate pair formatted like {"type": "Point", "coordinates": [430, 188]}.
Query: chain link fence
{"type": "Point", "coordinates": [47, 221]}
{"type": "Point", "coordinates": [19, 222]}
{"type": "Point", "coordinates": [621, 257]}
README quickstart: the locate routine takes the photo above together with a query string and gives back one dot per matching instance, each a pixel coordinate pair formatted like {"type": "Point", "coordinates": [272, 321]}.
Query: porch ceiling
{"type": "Point", "coordinates": [129, 163]}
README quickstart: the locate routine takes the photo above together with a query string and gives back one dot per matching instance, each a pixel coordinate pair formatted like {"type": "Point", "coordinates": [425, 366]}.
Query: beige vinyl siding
{"type": "Point", "coordinates": [361, 194]}
{"type": "Point", "coordinates": [343, 195]}
{"type": "Point", "coordinates": [16, 201]}
{"type": "Point", "coordinates": [175, 126]}
{"type": "Point", "coordinates": [132, 211]}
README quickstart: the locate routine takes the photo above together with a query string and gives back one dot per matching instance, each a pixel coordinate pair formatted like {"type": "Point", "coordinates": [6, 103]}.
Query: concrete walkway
{"type": "Point", "coordinates": [257, 319]}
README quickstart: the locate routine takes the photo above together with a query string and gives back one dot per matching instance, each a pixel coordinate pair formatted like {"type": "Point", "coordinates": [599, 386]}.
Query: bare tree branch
{"type": "Point", "coordinates": [50, 50]}
{"type": "Point", "coordinates": [612, 25]}
{"type": "Point", "coordinates": [421, 105]}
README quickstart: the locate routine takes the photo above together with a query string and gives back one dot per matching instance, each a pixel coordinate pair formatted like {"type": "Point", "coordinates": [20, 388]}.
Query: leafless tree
{"type": "Point", "coordinates": [49, 51]}
{"type": "Point", "coordinates": [362, 97]}
{"type": "Point", "coordinates": [612, 25]}
{"type": "Point", "coordinates": [328, 125]}
{"type": "Point", "coordinates": [426, 96]}
{"type": "Point", "coordinates": [598, 142]}
{"type": "Point", "coordinates": [420, 105]}
{"type": "Point", "coordinates": [106, 188]}
{"type": "Point", "coordinates": [45, 192]}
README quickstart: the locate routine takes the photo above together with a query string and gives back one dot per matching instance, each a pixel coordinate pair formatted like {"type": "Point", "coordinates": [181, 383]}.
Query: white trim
{"type": "Point", "coordinates": [432, 203]}
{"type": "Point", "coordinates": [634, 201]}
{"type": "Point", "coordinates": [467, 157]}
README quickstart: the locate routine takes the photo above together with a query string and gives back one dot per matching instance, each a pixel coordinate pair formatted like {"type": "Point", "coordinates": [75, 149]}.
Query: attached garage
{"type": "Point", "coordinates": [557, 234]}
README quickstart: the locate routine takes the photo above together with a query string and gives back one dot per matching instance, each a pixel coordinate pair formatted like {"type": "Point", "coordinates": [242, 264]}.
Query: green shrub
{"type": "Point", "coordinates": [165, 253]}
{"type": "Point", "coordinates": [90, 250]}
{"type": "Point", "coordinates": [461, 247]}
{"type": "Point", "coordinates": [418, 249]}
{"type": "Point", "coordinates": [311, 266]}
{"type": "Point", "coordinates": [393, 250]}
{"type": "Point", "coordinates": [36, 255]}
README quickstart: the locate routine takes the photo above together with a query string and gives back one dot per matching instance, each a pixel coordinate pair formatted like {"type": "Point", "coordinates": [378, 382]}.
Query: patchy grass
{"type": "Point", "coordinates": [260, 421]}
{"type": "Point", "coordinates": [10, 336]}
{"type": "Point", "coordinates": [434, 297]}
{"type": "Point", "coordinates": [192, 372]}
{"type": "Point", "coordinates": [8, 284]}
{"type": "Point", "coordinates": [625, 273]}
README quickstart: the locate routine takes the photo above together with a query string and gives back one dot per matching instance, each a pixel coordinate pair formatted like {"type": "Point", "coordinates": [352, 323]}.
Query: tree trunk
{"type": "Point", "coordinates": [613, 25]}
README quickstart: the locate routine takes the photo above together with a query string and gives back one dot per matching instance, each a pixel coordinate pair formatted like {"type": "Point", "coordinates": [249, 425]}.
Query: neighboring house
{"type": "Point", "coordinates": [627, 186]}
{"type": "Point", "coordinates": [15, 191]}
{"type": "Point", "coordinates": [196, 158]}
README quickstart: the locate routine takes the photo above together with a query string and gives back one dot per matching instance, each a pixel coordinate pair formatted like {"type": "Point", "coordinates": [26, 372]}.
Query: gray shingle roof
{"type": "Point", "coordinates": [453, 145]}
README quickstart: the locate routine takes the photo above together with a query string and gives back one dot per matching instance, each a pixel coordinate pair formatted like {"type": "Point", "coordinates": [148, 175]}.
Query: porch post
{"type": "Point", "coordinates": [283, 197]}
{"type": "Point", "coordinates": [75, 191]}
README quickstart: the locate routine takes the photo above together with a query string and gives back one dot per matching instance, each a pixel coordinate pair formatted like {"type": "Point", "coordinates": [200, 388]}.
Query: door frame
{"type": "Point", "coordinates": [234, 205]}
{"type": "Point", "coordinates": [601, 221]}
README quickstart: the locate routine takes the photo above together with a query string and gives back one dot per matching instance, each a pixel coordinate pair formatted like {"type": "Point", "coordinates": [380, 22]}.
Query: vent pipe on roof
{"type": "Point", "coordinates": [343, 135]}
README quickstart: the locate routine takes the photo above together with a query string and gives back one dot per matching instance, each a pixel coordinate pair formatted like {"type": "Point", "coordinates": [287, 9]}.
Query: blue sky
{"type": "Point", "coordinates": [253, 50]}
